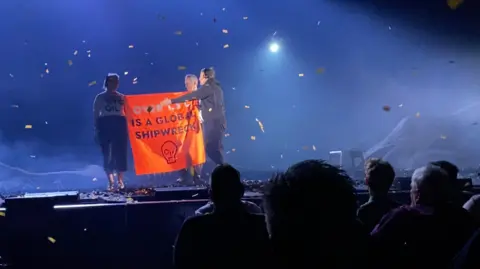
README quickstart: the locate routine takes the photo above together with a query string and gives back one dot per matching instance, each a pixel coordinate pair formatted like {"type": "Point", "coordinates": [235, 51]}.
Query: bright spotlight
{"type": "Point", "coordinates": [274, 47]}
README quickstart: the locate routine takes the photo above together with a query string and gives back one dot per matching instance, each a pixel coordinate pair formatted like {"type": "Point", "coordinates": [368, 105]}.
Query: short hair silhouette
{"type": "Point", "coordinates": [208, 72]}
{"type": "Point", "coordinates": [294, 199]}
{"type": "Point", "coordinates": [379, 175]}
{"type": "Point", "coordinates": [226, 185]}
{"type": "Point", "coordinates": [450, 168]}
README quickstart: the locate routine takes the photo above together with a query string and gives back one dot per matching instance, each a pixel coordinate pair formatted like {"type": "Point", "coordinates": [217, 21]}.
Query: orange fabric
{"type": "Point", "coordinates": [163, 139]}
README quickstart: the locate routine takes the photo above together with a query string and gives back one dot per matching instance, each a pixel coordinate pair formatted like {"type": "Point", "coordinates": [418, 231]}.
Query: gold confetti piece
{"type": "Point", "coordinates": [320, 70]}
{"type": "Point", "coordinates": [130, 46]}
{"type": "Point", "coordinates": [28, 126]}
{"type": "Point", "coordinates": [443, 137]}
{"type": "Point", "coordinates": [181, 67]}
{"type": "Point", "coordinates": [225, 31]}
{"type": "Point", "coordinates": [253, 137]}
{"type": "Point", "coordinates": [125, 73]}
{"type": "Point", "coordinates": [314, 148]}
{"type": "Point", "coordinates": [386, 108]}
{"type": "Point", "coordinates": [301, 75]}
{"type": "Point", "coordinates": [233, 150]}
{"type": "Point", "coordinates": [2, 214]}
{"type": "Point", "coordinates": [91, 83]}
{"type": "Point", "coordinates": [70, 62]}
{"type": "Point", "coordinates": [417, 115]}
{"type": "Point", "coordinates": [226, 46]}
{"type": "Point", "coordinates": [47, 71]}
{"type": "Point", "coordinates": [245, 18]}
{"type": "Point", "coordinates": [192, 171]}
{"type": "Point", "coordinates": [178, 32]}
{"type": "Point", "coordinates": [261, 125]}
{"type": "Point", "coordinates": [247, 106]}
{"type": "Point", "coordinates": [210, 110]}
{"type": "Point", "coordinates": [75, 52]}
{"type": "Point", "coordinates": [454, 4]}
{"type": "Point", "coordinates": [52, 240]}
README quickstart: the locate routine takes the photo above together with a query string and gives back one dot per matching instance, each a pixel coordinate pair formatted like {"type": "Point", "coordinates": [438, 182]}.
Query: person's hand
{"type": "Point", "coordinates": [166, 102]}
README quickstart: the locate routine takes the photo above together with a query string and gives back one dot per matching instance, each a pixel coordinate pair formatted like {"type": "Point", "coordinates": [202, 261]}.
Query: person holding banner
{"type": "Point", "coordinates": [111, 130]}
{"type": "Point", "coordinates": [213, 111]}
{"type": "Point", "coordinates": [191, 84]}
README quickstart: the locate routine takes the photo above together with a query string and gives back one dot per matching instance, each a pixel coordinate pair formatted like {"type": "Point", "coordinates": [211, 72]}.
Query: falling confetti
{"type": "Point", "coordinates": [28, 126]}
{"type": "Point", "coordinates": [135, 80]}
{"type": "Point", "coordinates": [301, 75]}
{"type": "Point", "coordinates": [443, 137]}
{"type": "Point", "coordinates": [125, 73]}
{"type": "Point", "coordinates": [70, 62]}
{"type": "Point", "coordinates": [182, 67]}
{"type": "Point", "coordinates": [94, 179]}
{"type": "Point", "coordinates": [75, 52]}
{"type": "Point", "coordinates": [224, 9]}
{"type": "Point", "coordinates": [253, 137]}
{"type": "Point", "coordinates": [318, 23]}
{"type": "Point", "coordinates": [245, 18]}
{"type": "Point", "coordinates": [14, 106]}
{"type": "Point", "coordinates": [91, 83]}
{"type": "Point", "coordinates": [314, 148]}
{"type": "Point", "coordinates": [400, 105]}
{"type": "Point", "coordinates": [210, 110]}
{"type": "Point", "coordinates": [227, 134]}
{"type": "Point", "coordinates": [261, 125]}
{"type": "Point", "coordinates": [225, 31]}
{"type": "Point", "coordinates": [320, 70]}
{"type": "Point", "coordinates": [417, 115]}
{"type": "Point", "coordinates": [52, 240]}
{"type": "Point", "coordinates": [386, 108]}
{"type": "Point", "coordinates": [233, 150]}
{"type": "Point", "coordinates": [11, 75]}
{"type": "Point", "coordinates": [226, 46]}
{"type": "Point", "coordinates": [47, 71]}
{"type": "Point", "coordinates": [454, 4]}
{"type": "Point", "coordinates": [247, 106]}
{"type": "Point", "coordinates": [130, 46]}
{"type": "Point", "coordinates": [178, 33]}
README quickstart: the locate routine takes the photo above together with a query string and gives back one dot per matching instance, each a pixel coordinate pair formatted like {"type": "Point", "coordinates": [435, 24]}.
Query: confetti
{"type": "Point", "coordinates": [130, 46]}
{"type": "Point", "coordinates": [182, 67]}
{"type": "Point", "coordinates": [320, 70]}
{"type": "Point", "coordinates": [225, 31]}
{"type": "Point", "coordinates": [224, 9]}
{"type": "Point", "coordinates": [14, 106]}
{"type": "Point", "coordinates": [11, 75]}
{"type": "Point", "coordinates": [227, 134]}
{"type": "Point", "coordinates": [261, 125]}
{"type": "Point", "coordinates": [178, 32]}
{"type": "Point", "coordinates": [94, 179]}
{"type": "Point", "coordinates": [417, 115]}
{"type": "Point", "coordinates": [314, 148]}
{"type": "Point", "coordinates": [210, 110]}
{"type": "Point", "coordinates": [318, 23]}
{"type": "Point", "coordinates": [443, 137]}
{"type": "Point", "coordinates": [253, 137]}
{"type": "Point", "coordinates": [69, 62]}
{"type": "Point", "coordinates": [386, 108]}
{"type": "Point", "coordinates": [233, 150]}
{"type": "Point", "coordinates": [301, 75]}
{"type": "Point", "coordinates": [247, 106]}
{"type": "Point", "coordinates": [135, 80]}
{"type": "Point", "coordinates": [125, 73]}
{"type": "Point", "coordinates": [454, 4]}
{"type": "Point", "coordinates": [28, 126]}
{"type": "Point", "coordinates": [52, 240]}
{"type": "Point", "coordinates": [47, 71]}
{"type": "Point", "coordinates": [91, 83]}
{"type": "Point", "coordinates": [226, 46]}
{"type": "Point", "coordinates": [400, 105]}
{"type": "Point", "coordinates": [2, 214]}
{"type": "Point", "coordinates": [245, 18]}
{"type": "Point", "coordinates": [75, 52]}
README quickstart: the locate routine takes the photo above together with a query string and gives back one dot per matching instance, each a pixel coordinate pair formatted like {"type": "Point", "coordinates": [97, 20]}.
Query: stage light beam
{"type": "Point", "coordinates": [274, 47]}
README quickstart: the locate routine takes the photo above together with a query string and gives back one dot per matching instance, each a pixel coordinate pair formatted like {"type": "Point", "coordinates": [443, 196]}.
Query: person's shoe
{"type": "Point", "coordinates": [111, 187]}
{"type": "Point", "coordinates": [121, 185]}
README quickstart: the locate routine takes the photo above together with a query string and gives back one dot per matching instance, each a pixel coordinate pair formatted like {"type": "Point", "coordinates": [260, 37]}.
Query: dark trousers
{"type": "Point", "coordinates": [113, 139]}
{"type": "Point", "coordinates": [213, 134]}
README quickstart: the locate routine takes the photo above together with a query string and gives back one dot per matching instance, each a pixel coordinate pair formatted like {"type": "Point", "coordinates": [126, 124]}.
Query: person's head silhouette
{"type": "Point", "coordinates": [226, 188]}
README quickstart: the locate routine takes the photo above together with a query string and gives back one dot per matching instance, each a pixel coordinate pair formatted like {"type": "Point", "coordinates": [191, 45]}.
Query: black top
{"type": "Point", "coordinates": [212, 105]}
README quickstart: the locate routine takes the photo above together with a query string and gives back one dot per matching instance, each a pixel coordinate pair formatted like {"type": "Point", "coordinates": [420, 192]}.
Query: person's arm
{"type": "Point", "coordinates": [97, 106]}
{"type": "Point", "coordinates": [200, 94]}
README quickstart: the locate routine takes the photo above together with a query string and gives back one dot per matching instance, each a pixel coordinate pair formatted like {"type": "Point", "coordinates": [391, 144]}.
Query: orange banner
{"type": "Point", "coordinates": [163, 139]}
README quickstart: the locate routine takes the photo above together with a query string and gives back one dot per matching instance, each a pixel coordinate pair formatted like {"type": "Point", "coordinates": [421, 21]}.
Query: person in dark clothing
{"type": "Point", "coordinates": [229, 237]}
{"type": "Point", "coordinates": [111, 131]}
{"type": "Point", "coordinates": [230, 186]}
{"type": "Point", "coordinates": [468, 257]}
{"type": "Point", "coordinates": [429, 232]}
{"type": "Point", "coordinates": [309, 229]}
{"type": "Point", "coordinates": [379, 176]}
{"type": "Point", "coordinates": [459, 196]}
{"type": "Point", "coordinates": [213, 113]}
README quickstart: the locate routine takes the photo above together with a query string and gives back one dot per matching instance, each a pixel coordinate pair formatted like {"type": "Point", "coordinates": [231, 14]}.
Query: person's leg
{"type": "Point", "coordinates": [214, 145]}
{"type": "Point", "coordinates": [106, 147]}
{"type": "Point", "coordinates": [120, 150]}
